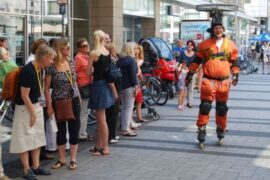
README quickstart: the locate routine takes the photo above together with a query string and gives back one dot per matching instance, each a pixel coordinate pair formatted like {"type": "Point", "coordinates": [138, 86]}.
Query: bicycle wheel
{"type": "Point", "coordinates": [151, 91]}
{"type": "Point", "coordinates": [164, 95]}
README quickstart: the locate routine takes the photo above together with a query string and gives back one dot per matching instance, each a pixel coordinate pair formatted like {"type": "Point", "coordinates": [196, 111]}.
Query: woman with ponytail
{"type": "Point", "coordinates": [102, 93]}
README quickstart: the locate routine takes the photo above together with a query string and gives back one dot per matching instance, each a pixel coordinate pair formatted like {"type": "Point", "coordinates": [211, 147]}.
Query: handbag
{"type": "Point", "coordinates": [113, 73]}
{"type": "Point", "coordinates": [84, 91]}
{"type": "Point", "coordinates": [64, 110]}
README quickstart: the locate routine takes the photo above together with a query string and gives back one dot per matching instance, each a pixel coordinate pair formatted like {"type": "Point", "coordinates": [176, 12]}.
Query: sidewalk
{"type": "Point", "coordinates": [167, 149]}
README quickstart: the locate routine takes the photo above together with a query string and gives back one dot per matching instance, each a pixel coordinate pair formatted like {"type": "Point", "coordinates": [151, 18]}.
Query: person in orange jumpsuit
{"type": "Point", "coordinates": [218, 56]}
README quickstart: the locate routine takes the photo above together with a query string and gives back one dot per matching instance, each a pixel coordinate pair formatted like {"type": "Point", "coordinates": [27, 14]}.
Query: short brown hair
{"type": "Point", "coordinates": [80, 41]}
{"type": "Point", "coordinates": [2, 39]}
{"type": "Point", "coordinates": [36, 44]}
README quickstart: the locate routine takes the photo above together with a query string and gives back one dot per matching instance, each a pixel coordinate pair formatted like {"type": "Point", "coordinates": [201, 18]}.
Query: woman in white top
{"type": "Point", "coordinates": [265, 50]}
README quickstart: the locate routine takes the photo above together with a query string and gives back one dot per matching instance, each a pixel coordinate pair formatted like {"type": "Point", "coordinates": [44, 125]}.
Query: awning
{"type": "Point", "coordinates": [193, 3]}
{"type": "Point", "coordinates": [241, 15]}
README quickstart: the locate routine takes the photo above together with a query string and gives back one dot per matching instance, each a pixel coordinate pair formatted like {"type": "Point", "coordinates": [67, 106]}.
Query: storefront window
{"type": "Point", "coordinates": [81, 9]}
{"type": "Point", "coordinates": [52, 28]}
{"type": "Point", "coordinates": [13, 29]}
{"type": "Point", "coordinates": [13, 6]}
{"type": "Point", "coordinates": [132, 29]}
{"type": "Point", "coordinates": [51, 8]}
{"type": "Point", "coordinates": [34, 29]}
{"type": "Point", "coordinates": [145, 8]}
{"type": "Point", "coordinates": [34, 7]}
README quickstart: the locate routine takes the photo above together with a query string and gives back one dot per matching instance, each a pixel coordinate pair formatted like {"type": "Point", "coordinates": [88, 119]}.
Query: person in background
{"type": "Point", "coordinates": [139, 57]}
{"type": "Point", "coordinates": [61, 76]}
{"type": "Point", "coordinates": [103, 94]}
{"type": "Point", "coordinates": [81, 62]}
{"type": "Point", "coordinates": [4, 54]}
{"type": "Point", "coordinates": [188, 56]}
{"type": "Point", "coordinates": [180, 48]}
{"type": "Point", "coordinates": [28, 122]}
{"type": "Point", "coordinates": [183, 69]}
{"type": "Point", "coordinates": [265, 52]}
{"type": "Point", "coordinates": [34, 47]}
{"type": "Point", "coordinates": [128, 66]}
{"type": "Point", "coordinates": [258, 51]}
{"type": "Point", "coordinates": [112, 113]}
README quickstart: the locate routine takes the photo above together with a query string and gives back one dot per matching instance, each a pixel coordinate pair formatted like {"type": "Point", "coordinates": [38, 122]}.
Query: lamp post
{"type": "Point", "coordinates": [62, 10]}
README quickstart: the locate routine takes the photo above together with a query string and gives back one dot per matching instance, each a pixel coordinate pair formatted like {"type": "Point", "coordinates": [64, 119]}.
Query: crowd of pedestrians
{"type": "Point", "coordinates": [56, 86]}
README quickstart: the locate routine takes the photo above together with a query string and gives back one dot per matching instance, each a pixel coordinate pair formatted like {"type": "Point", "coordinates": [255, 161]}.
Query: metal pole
{"type": "Point", "coordinates": [236, 26]}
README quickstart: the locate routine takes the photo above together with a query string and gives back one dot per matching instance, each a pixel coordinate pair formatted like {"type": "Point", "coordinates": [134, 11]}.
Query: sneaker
{"type": "Point", "coordinates": [113, 141]}
{"type": "Point", "coordinates": [41, 171]}
{"type": "Point", "coordinates": [29, 175]}
{"type": "Point", "coordinates": [117, 137]}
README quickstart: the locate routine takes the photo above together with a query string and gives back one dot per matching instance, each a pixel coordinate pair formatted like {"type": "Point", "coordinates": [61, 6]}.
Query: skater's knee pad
{"type": "Point", "coordinates": [221, 108]}
{"type": "Point", "coordinates": [205, 107]}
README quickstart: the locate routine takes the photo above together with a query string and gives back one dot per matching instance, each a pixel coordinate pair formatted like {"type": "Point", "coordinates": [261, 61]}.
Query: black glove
{"type": "Point", "coordinates": [235, 79]}
{"type": "Point", "coordinates": [188, 78]}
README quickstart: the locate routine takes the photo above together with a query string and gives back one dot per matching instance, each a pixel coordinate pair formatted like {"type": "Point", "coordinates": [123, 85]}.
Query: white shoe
{"type": "Point", "coordinates": [113, 141]}
{"type": "Point", "coordinates": [117, 137]}
{"type": "Point", "coordinates": [136, 125]}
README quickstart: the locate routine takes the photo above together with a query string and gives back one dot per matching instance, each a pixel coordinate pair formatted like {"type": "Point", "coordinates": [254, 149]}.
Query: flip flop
{"type": "Point", "coordinates": [73, 165]}
{"type": "Point", "coordinates": [58, 164]}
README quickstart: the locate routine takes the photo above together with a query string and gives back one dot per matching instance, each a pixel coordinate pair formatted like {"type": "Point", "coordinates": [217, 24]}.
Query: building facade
{"type": "Point", "coordinates": [23, 21]}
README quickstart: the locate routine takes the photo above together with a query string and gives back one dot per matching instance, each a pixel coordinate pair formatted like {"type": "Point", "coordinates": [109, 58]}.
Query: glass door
{"type": "Point", "coordinates": [13, 28]}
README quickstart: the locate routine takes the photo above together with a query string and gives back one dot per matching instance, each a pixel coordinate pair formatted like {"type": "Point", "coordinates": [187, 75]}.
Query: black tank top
{"type": "Point", "coordinates": [100, 67]}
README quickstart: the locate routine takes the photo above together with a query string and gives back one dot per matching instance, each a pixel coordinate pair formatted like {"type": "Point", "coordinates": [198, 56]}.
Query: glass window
{"type": "Point", "coordinates": [34, 7]}
{"type": "Point", "coordinates": [13, 6]}
{"type": "Point", "coordinates": [51, 8]}
{"type": "Point", "coordinates": [34, 29]}
{"type": "Point", "coordinates": [52, 28]}
{"type": "Point", "coordinates": [80, 29]}
{"type": "Point", "coordinates": [81, 9]}
{"type": "Point", "coordinates": [13, 29]}
{"type": "Point", "coordinates": [144, 8]}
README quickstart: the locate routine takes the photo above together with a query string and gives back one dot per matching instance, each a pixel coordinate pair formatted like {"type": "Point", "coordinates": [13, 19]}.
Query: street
{"type": "Point", "coordinates": [167, 149]}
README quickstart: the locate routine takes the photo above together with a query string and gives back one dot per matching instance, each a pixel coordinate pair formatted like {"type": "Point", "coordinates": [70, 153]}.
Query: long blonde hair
{"type": "Point", "coordinates": [112, 49]}
{"type": "Point", "coordinates": [99, 36]}
{"type": "Point", "coordinates": [140, 55]}
{"type": "Point", "coordinates": [59, 45]}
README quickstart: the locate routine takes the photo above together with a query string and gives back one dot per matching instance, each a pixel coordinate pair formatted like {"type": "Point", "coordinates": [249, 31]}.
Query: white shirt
{"type": "Point", "coordinates": [219, 43]}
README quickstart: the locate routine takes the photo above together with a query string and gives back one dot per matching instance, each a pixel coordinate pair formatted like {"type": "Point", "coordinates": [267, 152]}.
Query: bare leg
{"type": "Point", "coordinates": [35, 158]}
{"type": "Point", "coordinates": [139, 111]}
{"type": "Point", "coordinates": [73, 152]}
{"type": "Point", "coordinates": [103, 129]}
{"type": "Point", "coordinates": [24, 157]}
{"type": "Point", "coordinates": [62, 153]}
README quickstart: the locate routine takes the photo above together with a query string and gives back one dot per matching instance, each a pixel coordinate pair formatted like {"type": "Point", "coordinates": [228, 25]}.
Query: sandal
{"type": "Point", "coordinates": [58, 165]}
{"type": "Point", "coordinates": [100, 152]}
{"type": "Point", "coordinates": [73, 165]}
{"type": "Point", "coordinates": [93, 149]}
{"type": "Point", "coordinates": [130, 134]}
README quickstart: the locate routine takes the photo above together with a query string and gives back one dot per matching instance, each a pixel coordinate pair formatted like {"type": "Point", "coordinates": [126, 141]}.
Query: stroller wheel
{"type": "Point", "coordinates": [156, 116]}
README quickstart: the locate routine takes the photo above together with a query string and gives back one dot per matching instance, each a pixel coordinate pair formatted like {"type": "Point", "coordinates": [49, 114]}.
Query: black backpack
{"type": "Point", "coordinates": [113, 72]}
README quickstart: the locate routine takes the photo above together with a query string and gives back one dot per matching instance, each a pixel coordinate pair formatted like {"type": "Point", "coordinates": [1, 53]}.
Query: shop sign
{"type": "Point", "coordinates": [62, 1]}
{"type": "Point", "coordinates": [195, 30]}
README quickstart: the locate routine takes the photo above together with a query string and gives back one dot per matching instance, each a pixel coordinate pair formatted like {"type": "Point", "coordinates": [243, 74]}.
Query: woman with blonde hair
{"type": "Point", "coordinates": [28, 122]}
{"type": "Point", "coordinates": [112, 112]}
{"type": "Point", "coordinates": [129, 69]}
{"type": "Point", "coordinates": [61, 77]}
{"type": "Point", "coordinates": [139, 56]}
{"type": "Point", "coordinates": [102, 93]}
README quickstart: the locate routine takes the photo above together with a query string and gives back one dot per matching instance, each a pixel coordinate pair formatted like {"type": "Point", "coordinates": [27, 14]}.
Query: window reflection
{"type": "Point", "coordinates": [52, 28]}
{"type": "Point", "coordinates": [13, 29]}
{"type": "Point", "coordinates": [13, 6]}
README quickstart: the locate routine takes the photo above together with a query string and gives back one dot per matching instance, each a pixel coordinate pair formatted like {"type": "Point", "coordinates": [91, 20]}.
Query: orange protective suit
{"type": "Point", "coordinates": [216, 66]}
